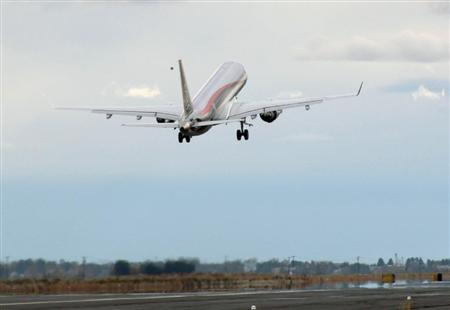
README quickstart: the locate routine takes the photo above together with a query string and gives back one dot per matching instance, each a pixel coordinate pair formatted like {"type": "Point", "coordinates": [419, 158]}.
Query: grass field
{"type": "Point", "coordinates": [191, 283]}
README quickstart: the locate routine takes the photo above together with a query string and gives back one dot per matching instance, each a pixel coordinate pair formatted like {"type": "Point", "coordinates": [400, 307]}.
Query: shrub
{"type": "Point", "coordinates": [121, 268]}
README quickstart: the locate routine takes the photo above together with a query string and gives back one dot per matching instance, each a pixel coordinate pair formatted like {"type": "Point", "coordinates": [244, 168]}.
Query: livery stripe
{"type": "Point", "coordinates": [217, 94]}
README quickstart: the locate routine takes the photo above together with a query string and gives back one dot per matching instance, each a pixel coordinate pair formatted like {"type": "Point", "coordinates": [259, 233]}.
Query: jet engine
{"type": "Point", "coordinates": [269, 117]}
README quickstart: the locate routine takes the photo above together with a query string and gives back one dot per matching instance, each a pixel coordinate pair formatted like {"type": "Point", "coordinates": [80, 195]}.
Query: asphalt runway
{"type": "Point", "coordinates": [429, 297]}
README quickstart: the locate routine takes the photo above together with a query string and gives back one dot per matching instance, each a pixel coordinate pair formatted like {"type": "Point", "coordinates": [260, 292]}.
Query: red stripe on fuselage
{"type": "Point", "coordinates": [216, 94]}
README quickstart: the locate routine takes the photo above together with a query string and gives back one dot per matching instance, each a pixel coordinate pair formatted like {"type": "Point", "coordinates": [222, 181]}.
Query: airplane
{"type": "Point", "coordinates": [214, 104]}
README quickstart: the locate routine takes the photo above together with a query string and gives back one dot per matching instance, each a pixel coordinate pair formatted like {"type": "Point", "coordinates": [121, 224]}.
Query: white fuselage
{"type": "Point", "coordinates": [214, 99]}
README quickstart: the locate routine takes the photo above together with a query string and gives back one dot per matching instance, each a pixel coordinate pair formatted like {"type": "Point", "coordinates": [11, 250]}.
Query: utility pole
{"type": "Point", "coordinates": [357, 268]}
{"type": "Point", "coordinates": [290, 261]}
{"type": "Point", "coordinates": [83, 268]}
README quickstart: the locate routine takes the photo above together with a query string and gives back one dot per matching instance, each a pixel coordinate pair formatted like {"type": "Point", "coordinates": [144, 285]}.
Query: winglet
{"type": "Point", "coordinates": [360, 87]}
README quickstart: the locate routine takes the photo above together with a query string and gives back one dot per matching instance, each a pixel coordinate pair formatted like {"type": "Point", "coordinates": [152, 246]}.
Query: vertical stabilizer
{"type": "Point", "coordinates": [187, 104]}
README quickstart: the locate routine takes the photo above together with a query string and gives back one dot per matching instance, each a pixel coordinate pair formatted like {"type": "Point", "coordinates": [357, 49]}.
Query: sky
{"type": "Point", "coordinates": [366, 176]}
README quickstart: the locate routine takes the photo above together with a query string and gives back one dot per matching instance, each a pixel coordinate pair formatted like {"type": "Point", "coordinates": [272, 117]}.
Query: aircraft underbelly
{"type": "Point", "coordinates": [196, 131]}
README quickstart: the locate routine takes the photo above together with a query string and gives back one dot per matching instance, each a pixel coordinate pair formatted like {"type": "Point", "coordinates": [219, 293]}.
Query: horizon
{"type": "Point", "coordinates": [401, 260]}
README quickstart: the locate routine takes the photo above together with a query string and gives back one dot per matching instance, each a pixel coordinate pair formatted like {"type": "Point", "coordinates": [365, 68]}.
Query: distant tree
{"type": "Point", "coordinates": [40, 267]}
{"type": "Point", "coordinates": [121, 268]}
{"type": "Point", "coordinates": [421, 264]}
{"type": "Point", "coordinates": [415, 264]}
{"type": "Point", "coordinates": [234, 266]}
{"type": "Point", "coordinates": [323, 267]}
{"type": "Point", "coordinates": [268, 266]}
{"type": "Point", "coordinates": [151, 268]}
{"type": "Point", "coordinates": [4, 271]}
{"type": "Point", "coordinates": [390, 262]}
{"type": "Point", "coordinates": [429, 264]}
{"type": "Point", "coordinates": [359, 268]}
{"type": "Point", "coordinates": [380, 262]}
{"type": "Point", "coordinates": [21, 266]}
{"type": "Point", "coordinates": [179, 266]}
{"type": "Point", "coordinates": [445, 262]}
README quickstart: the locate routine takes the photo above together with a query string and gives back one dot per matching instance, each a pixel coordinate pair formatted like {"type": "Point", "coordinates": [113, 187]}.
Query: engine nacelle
{"type": "Point", "coordinates": [269, 117]}
{"type": "Point", "coordinates": [163, 120]}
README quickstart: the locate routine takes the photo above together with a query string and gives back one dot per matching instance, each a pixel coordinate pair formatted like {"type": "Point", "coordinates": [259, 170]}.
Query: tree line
{"type": "Point", "coordinates": [181, 266]}
{"type": "Point", "coordinates": [40, 268]}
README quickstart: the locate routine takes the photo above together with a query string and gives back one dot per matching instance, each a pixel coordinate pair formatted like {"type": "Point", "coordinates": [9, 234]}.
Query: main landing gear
{"type": "Point", "coordinates": [242, 133]}
{"type": "Point", "coordinates": [181, 137]}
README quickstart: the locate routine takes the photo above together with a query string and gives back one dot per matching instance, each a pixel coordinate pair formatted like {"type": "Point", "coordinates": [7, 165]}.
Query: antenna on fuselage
{"type": "Point", "coordinates": [187, 103]}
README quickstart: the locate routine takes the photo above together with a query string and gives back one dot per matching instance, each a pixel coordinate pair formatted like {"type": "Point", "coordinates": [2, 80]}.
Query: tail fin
{"type": "Point", "coordinates": [187, 104]}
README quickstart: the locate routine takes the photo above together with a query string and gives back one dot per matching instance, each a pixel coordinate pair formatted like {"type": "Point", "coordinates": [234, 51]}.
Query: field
{"type": "Point", "coordinates": [195, 283]}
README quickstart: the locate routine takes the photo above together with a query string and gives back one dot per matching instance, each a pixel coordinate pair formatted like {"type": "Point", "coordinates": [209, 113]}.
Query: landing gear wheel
{"type": "Point", "coordinates": [180, 137]}
{"type": "Point", "coordinates": [188, 139]}
{"type": "Point", "coordinates": [246, 134]}
{"type": "Point", "coordinates": [238, 135]}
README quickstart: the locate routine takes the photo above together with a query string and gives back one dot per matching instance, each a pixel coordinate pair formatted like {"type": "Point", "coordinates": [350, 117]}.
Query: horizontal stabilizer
{"type": "Point", "coordinates": [218, 122]}
{"type": "Point", "coordinates": [154, 125]}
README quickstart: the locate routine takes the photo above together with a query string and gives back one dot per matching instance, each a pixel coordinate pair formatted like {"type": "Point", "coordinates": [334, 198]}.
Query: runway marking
{"type": "Point", "coordinates": [86, 300]}
{"type": "Point", "coordinates": [288, 298]}
{"type": "Point", "coordinates": [44, 302]}
{"type": "Point", "coordinates": [154, 296]}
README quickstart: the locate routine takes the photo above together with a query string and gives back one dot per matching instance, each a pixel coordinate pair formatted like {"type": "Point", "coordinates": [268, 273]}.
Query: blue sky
{"type": "Point", "coordinates": [362, 177]}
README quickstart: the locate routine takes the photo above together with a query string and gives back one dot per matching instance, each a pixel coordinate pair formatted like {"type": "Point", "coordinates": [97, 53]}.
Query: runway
{"type": "Point", "coordinates": [430, 297]}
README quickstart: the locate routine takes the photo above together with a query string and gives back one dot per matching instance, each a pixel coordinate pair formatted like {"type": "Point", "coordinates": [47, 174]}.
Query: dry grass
{"type": "Point", "coordinates": [188, 283]}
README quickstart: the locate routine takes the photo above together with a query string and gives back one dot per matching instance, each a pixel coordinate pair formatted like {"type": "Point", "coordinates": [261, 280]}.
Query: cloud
{"type": "Point", "coordinates": [406, 46]}
{"type": "Point", "coordinates": [143, 92]}
{"type": "Point", "coordinates": [420, 47]}
{"type": "Point", "coordinates": [425, 93]}
{"type": "Point", "coordinates": [147, 92]}
{"type": "Point", "coordinates": [306, 137]}
{"type": "Point", "coordinates": [5, 146]}
{"type": "Point", "coordinates": [441, 8]}
{"type": "Point", "coordinates": [411, 85]}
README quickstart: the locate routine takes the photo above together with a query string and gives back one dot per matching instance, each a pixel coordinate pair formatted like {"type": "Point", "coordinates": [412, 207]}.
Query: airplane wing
{"type": "Point", "coordinates": [167, 112]}
{"type": "Point", "coordinates": [254, 108]}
